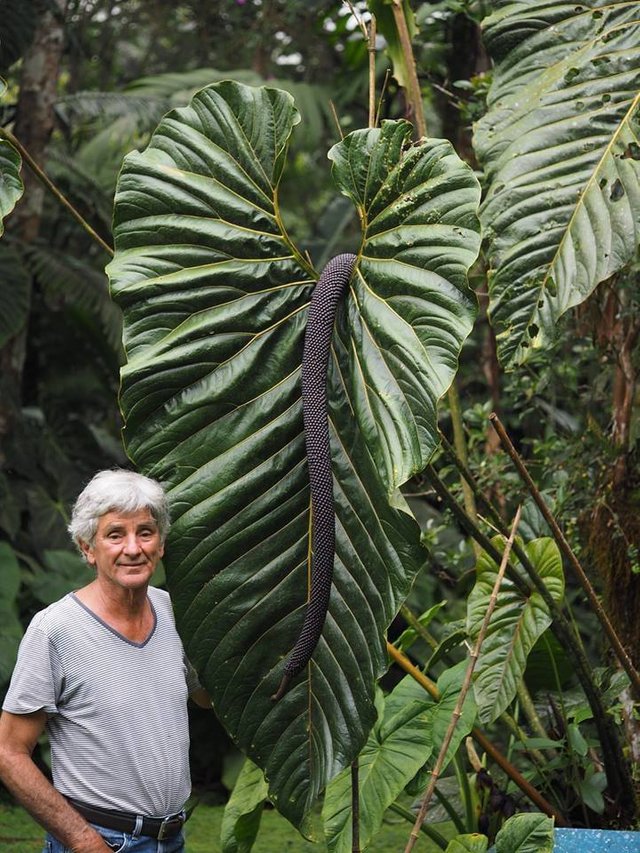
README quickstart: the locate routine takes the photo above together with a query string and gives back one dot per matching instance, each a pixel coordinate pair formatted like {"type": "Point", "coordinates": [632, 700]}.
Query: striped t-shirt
{"type": "Point", "coordinates": [117, 710]}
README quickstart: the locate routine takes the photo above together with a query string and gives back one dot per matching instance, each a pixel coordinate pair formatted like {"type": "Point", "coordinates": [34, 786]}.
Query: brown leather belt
{"type": "Point", "coordinates": [156, 827]}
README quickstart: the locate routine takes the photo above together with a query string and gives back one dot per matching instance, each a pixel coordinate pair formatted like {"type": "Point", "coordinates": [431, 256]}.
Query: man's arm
{"type": "Point", "coordinates": [201, 698]}
{"type": "Point", "coordinates": [19, 734]}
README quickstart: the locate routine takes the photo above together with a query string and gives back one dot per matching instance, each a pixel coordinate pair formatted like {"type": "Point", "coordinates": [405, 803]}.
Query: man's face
{"type": "Point", "coordinates": [127, 548]}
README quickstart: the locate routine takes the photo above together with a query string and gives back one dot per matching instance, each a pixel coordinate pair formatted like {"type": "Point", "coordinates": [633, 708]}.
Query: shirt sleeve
{"type": "Point", "coordinates": [37, 678]}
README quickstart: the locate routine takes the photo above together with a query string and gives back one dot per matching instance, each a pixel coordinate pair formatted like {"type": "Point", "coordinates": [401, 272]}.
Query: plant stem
{"type": "Point", "coordinates": [414, 95]}
{"type": "Point", "coordinates": [355, 808]}
{"type": "Point", "coordinates": [466, 685]}
{"type": "Point", "coordinates": [492, 751]}
{"type": "Point", "coordinates": [461, 449]}
{"type": "Point", "coordinates": [412, 620]}
{"type": "Point", "coordinates": [616, 643]}
{"type": "Point", "coordinates": [48, 183]}
{"type": "Point", "coordinates": [431, 833]}
{"type": "Point", "coordinates": [529, 710]}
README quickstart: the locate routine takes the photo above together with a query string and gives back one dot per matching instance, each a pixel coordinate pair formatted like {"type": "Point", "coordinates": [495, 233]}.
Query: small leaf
{"type": "Point", "coordinates": [11, 186]}
{"type": "Point", "coordinates": [243, 811]}
{"type": "Point", "coordinates": [576, 740]}
{"type": "Point", "coordinates": [410, 635]}
{"type": "Point", "coordinates": [472, 843]}
{"type": "Point", "coordinates": [516, 623]}
{"type": "Point", "coordinates": [15, 288]}
{"type": "Point", "coordinates": [591, 790]}
{"type": "Point", "coordinates": [526, 833]}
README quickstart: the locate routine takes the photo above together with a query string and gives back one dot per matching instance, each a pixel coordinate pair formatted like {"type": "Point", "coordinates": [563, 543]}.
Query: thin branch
{"type": "Point", "coordinates": [48, 183]}
{"type": "Point", "coordinates": [385, 83]}
{"type": "Point", "coordinates": [466, 685]}
{"type": "Point", "coordinates": [414, 94]}
{"type": "Point", "coordinates": [614, 639]}
{"type": "Point", "coordinates": [371, 47]}
{"type": "Point", "coordinates": [336, 119]}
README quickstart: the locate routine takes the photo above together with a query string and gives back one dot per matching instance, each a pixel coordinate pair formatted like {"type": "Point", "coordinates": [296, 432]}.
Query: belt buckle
{"type": "Point", "coordinates": [167, 823]}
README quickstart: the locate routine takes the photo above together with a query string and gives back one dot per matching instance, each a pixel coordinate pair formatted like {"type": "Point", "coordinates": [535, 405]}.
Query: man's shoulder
{"type": "Point", "coordinates": [159, 598]}
{"type": "Point", "coordinates": [58, 614]}
{"type": "Point", "coordinates": [55, 622]}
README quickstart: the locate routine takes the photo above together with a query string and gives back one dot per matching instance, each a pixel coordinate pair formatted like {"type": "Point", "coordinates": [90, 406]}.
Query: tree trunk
{"type": "Point", "coordinates": [613, 526]}
{"type": "Point", "coordinates": [33, 126]}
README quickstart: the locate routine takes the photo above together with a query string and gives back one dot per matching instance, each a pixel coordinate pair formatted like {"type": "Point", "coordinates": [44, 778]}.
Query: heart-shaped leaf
{"type": "Point", "coordinates": [214, 297]}
{"type": "Point", "coordinates": [516, 624]}
{"type": "Point", "coordinates": [408, 735]}
{"type": "Point", "coordinates": [560, 145]}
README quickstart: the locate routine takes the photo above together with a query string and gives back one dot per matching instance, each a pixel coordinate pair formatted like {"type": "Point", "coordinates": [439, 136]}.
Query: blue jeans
{"type": "Point", "coordinates": [122, 842]}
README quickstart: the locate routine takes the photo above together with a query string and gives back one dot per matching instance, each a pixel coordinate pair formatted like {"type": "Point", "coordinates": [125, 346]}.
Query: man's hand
{"type": "Point", "coordinates": [19, 734]}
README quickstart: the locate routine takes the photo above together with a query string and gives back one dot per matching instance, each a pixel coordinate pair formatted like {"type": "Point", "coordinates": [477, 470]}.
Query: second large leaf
{"type": "Point", "coordinates": [215, 299]}
{"type": "Point", "coordinates": [560, 145]}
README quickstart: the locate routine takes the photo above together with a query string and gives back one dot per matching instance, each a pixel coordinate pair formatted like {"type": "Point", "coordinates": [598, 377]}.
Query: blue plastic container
{"type": "Point", "coordinates": [595, 841]}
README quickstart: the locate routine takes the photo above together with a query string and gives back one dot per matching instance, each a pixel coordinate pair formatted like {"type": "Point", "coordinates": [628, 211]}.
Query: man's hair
{"type": "Point", "coordinates": [121, 491]}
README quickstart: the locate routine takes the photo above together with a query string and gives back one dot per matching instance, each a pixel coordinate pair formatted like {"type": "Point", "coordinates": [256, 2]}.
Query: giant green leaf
{"type": "Point", "coordinates": [517, 622]}
{"type": "Point", "coordinates": [214, 297]}
{"type": "Point", "coordinates": [11, 186]}
{"type": "Point", "coordinates": [408, 734]}
{"type": "Point", "coordinates": [560, 149]}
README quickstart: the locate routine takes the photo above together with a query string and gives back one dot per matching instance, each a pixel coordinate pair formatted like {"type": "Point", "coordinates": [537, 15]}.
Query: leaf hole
{"type": "Point", "coordinates": [631, 152]}
{"type": "Point", "coordinates": [617, 190]}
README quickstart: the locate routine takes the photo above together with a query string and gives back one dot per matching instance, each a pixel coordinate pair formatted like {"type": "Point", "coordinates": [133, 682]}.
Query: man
{"type": "Point", "coordinates": [104, 671]}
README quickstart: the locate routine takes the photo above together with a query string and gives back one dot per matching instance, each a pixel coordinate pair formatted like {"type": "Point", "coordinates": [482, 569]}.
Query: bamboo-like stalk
{"type": "Point", "coordinates": [466, 684]}
{"type": "Point", "coordinates": [481, 739]}
{"type": "Point", "coordinates": [46, 181]}
{"type": "Point", "coordinates": [371, 47]}
{"type": "Point", "coordinates": [616, 643]}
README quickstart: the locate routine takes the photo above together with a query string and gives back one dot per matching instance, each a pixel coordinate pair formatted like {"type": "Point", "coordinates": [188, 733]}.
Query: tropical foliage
{"type": "Point", "coordinates": [223, 218]}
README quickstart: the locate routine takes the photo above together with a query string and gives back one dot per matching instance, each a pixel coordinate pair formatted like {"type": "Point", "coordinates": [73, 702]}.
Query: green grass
{"type": "Point", "coordinates": [20, 834]}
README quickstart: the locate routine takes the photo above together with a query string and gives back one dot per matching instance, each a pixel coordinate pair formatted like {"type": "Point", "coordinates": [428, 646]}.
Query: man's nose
{"type": "Point", "coordinates": [131, 544]}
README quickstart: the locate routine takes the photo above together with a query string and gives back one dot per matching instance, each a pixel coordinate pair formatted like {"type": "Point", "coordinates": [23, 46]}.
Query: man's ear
{"type": "Point", "coordinates": [87, 552]}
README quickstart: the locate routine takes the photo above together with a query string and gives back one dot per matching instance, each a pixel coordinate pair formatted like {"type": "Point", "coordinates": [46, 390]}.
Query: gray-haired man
{"type": "Point", "coordinates": [104, 671]}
